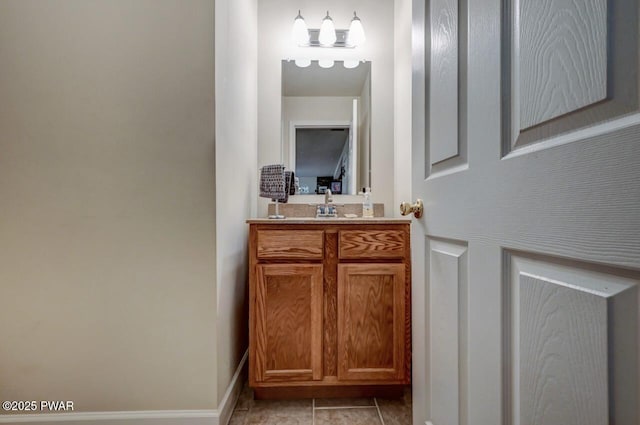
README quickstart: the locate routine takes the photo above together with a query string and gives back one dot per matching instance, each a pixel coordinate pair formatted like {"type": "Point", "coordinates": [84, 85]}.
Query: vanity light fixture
{"type": "Point", "coordinates": [300, 32]}
{"type": "Point", "coordinates": [328, 35]}
{"type": "Point", "coordinates": [356, 32]}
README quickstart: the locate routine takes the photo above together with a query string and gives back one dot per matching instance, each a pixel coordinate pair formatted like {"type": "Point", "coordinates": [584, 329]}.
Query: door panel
{"type": "Point", "coordinates": [568, 65]}
{"type": "Point", "coordinates": [371, 328]}
{"type": "Point", "coordinates": [289, 322]}
{"type": "Point", "coordinates": [444, 133]}
{"type": "Point", "coordinates": [448, 141]}
{"type": "Point", "coordinates": [572, 343]}
{"type": "Point", "coordinates": [448, 330]}
{"type": "Point", "coordinates": [564, 42]}
{"type": "Point", "coordinates": [547, 111]}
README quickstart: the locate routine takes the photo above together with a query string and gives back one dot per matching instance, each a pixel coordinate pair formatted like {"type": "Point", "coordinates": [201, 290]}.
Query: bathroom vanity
{"type": "Point", "coordinates": [329, 312]}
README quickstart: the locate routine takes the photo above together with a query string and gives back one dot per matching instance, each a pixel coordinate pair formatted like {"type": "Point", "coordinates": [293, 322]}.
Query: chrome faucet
{"type": "Point", "coordinates": [327, 197]}
{"type": "Point", "coordinates": [326, 210]}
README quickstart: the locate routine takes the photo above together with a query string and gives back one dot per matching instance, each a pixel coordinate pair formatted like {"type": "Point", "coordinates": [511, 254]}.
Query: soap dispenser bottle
{"type": "Point", "coordinates": [367, 204]}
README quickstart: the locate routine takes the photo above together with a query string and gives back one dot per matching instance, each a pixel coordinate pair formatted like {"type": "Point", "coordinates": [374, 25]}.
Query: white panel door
{"type": "Point", "coordinates": [526, 152]}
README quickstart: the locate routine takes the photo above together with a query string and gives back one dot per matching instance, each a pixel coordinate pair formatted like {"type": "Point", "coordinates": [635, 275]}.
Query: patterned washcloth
{"type": "Point", "coordinates": [290, 188]}
{"type": "Point", "coordinates": [272, 182]}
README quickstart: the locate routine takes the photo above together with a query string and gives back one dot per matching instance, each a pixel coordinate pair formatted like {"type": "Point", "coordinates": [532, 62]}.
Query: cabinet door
{"type": "Point", "coordinates": [371, 322]}
{"type": "Point", "coordinates": [288, 322]}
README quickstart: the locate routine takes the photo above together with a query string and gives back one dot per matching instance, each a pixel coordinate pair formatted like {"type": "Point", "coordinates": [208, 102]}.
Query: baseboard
{"type": "Point", "coordinates": [160, 417]}
{"type": "Point", "coordinates": [230, 398]}
{"type": "Point", "coordinates": [218, 416]}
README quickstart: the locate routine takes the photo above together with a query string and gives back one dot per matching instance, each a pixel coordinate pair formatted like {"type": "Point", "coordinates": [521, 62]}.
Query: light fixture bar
{"type": "Point", "coordinates": [341, 39]}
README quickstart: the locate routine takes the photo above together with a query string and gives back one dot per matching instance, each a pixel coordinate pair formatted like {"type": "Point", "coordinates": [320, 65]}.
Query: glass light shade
{"type": "Point", "coordinates": [356, 32]}
{"type": "Point", "coordinates": [351, 63]}
{"type": "Point", "coordinates": [300, 33]}
{"type": "Point", "coordinates": [327, 36]}
{"type": "Point", "coordinates": [303, 62]}
{"type": "Point", "coordinates": [325, 63]}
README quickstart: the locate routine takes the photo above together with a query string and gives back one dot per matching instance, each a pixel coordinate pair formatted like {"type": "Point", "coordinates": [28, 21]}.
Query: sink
{"type": "Point", "coordinates": [308, 210]}
{"type": "Point", "coordinates": [334, 215]}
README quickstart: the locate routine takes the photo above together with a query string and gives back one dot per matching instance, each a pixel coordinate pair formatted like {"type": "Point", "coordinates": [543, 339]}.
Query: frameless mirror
{"type": "Point", "coordinates": [326, 126]}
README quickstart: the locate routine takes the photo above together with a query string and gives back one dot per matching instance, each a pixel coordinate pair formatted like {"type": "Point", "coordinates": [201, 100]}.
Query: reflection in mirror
{"type": "Point", "coordinates": [326, 122]}
{"type": "Point", "coordinates": [322, 156]}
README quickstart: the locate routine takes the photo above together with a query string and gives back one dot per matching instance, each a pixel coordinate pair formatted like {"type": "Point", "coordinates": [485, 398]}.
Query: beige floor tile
{"type": "Point", "coordinates": [395, 412]}
{"type": "Point", "coordinates": [280, 412]}
{"type": "Point", "coordinates": [364, 416]}
{"type": "Point", "coordinates": [277, 419]}
{"type": "Point", "coordinates": [245, 400]}
{"type": "Point", "coordinates": [299, 412]}
{"type": "Point", "coordinates": [344, 402]}
{"type": "Point", "coordinates": [239, 417]}
{"type": "Point", "coordinates": [293, 406]}
{"type": "Point", "coordinates": [407, 395]}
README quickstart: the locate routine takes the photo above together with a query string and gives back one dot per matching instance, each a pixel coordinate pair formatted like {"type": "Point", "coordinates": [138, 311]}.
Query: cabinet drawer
{"type": "Point", "coordinates": [285, 244]}
{"type": "Point", "coordinates": [354, 244]}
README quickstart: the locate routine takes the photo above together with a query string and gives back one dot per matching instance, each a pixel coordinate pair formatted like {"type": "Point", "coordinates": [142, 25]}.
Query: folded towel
{"type": "Point", "coordinates": [290, 188]}
{"type": "Point", "coordinates": [272, 181]}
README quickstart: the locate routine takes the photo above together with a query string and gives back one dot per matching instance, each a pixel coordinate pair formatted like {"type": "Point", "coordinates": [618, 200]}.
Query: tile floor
{"type": "Point", "coordinates": [339, 411]}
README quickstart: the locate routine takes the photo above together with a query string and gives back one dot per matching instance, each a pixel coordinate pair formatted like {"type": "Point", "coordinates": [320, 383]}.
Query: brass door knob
{"type": "Point", "coordinates": [417, 209]}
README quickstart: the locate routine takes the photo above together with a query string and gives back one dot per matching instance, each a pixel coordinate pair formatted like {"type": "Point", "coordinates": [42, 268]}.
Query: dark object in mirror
{"type": "Point", "coordinates": [323, 184]}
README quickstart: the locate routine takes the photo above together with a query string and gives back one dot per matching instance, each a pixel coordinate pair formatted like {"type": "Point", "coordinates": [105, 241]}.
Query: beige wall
{"type": "Point", "coordinates": [275, 18]}
{"type": "Point", "coordinates": [107, 203]}
{"type": "Point", "coordinates": [402, 95]}
{"type": "Point", "coordinates": [236, 174]}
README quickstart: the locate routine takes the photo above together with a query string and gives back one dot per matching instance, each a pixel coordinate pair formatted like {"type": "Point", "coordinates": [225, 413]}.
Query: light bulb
{"type": "Point", "coordinates": [303, 62]}
{"type": "Point", "coordinates": [327, 36]}
{"type": "Point", "coordinates": [356, 32]}
{"type": "Point", "coordinates": [300, 33]}
{"type": "Point", "coordinates": [352, 63]}
{"type": "Point", "coordinates": [325, 63]}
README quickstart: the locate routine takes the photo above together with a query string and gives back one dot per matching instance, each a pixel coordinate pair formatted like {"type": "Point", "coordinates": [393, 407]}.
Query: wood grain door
{"type": "Point", "coordinates": [526, 152]}
{"type": "Point", "coordinates": [288, 322]}
{"type": "Point", "coordinates": [371, 330]}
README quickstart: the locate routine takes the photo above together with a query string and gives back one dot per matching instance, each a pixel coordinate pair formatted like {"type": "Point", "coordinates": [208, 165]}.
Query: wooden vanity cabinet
{"type": "Point", "coordinates": [329, 310]}
{"type": "Point", "coordinates": [371, 322]}
{"type": "Point", "coordinates": [288, 309]}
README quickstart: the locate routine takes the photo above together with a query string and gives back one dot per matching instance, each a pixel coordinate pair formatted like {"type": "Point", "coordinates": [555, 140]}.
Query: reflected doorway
{"type": "Point", "coordinates": [322, 158]}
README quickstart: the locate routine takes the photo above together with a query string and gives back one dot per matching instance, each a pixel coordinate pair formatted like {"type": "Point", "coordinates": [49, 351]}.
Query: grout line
{"type": "Point", "coordinates": [344, 407]}
{"type": "Point", "coordinates": [375, 400]}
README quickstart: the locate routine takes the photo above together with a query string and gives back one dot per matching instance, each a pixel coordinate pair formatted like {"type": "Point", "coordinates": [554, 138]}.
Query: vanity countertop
{"type": "Point", "coordinates": [337, 220]}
